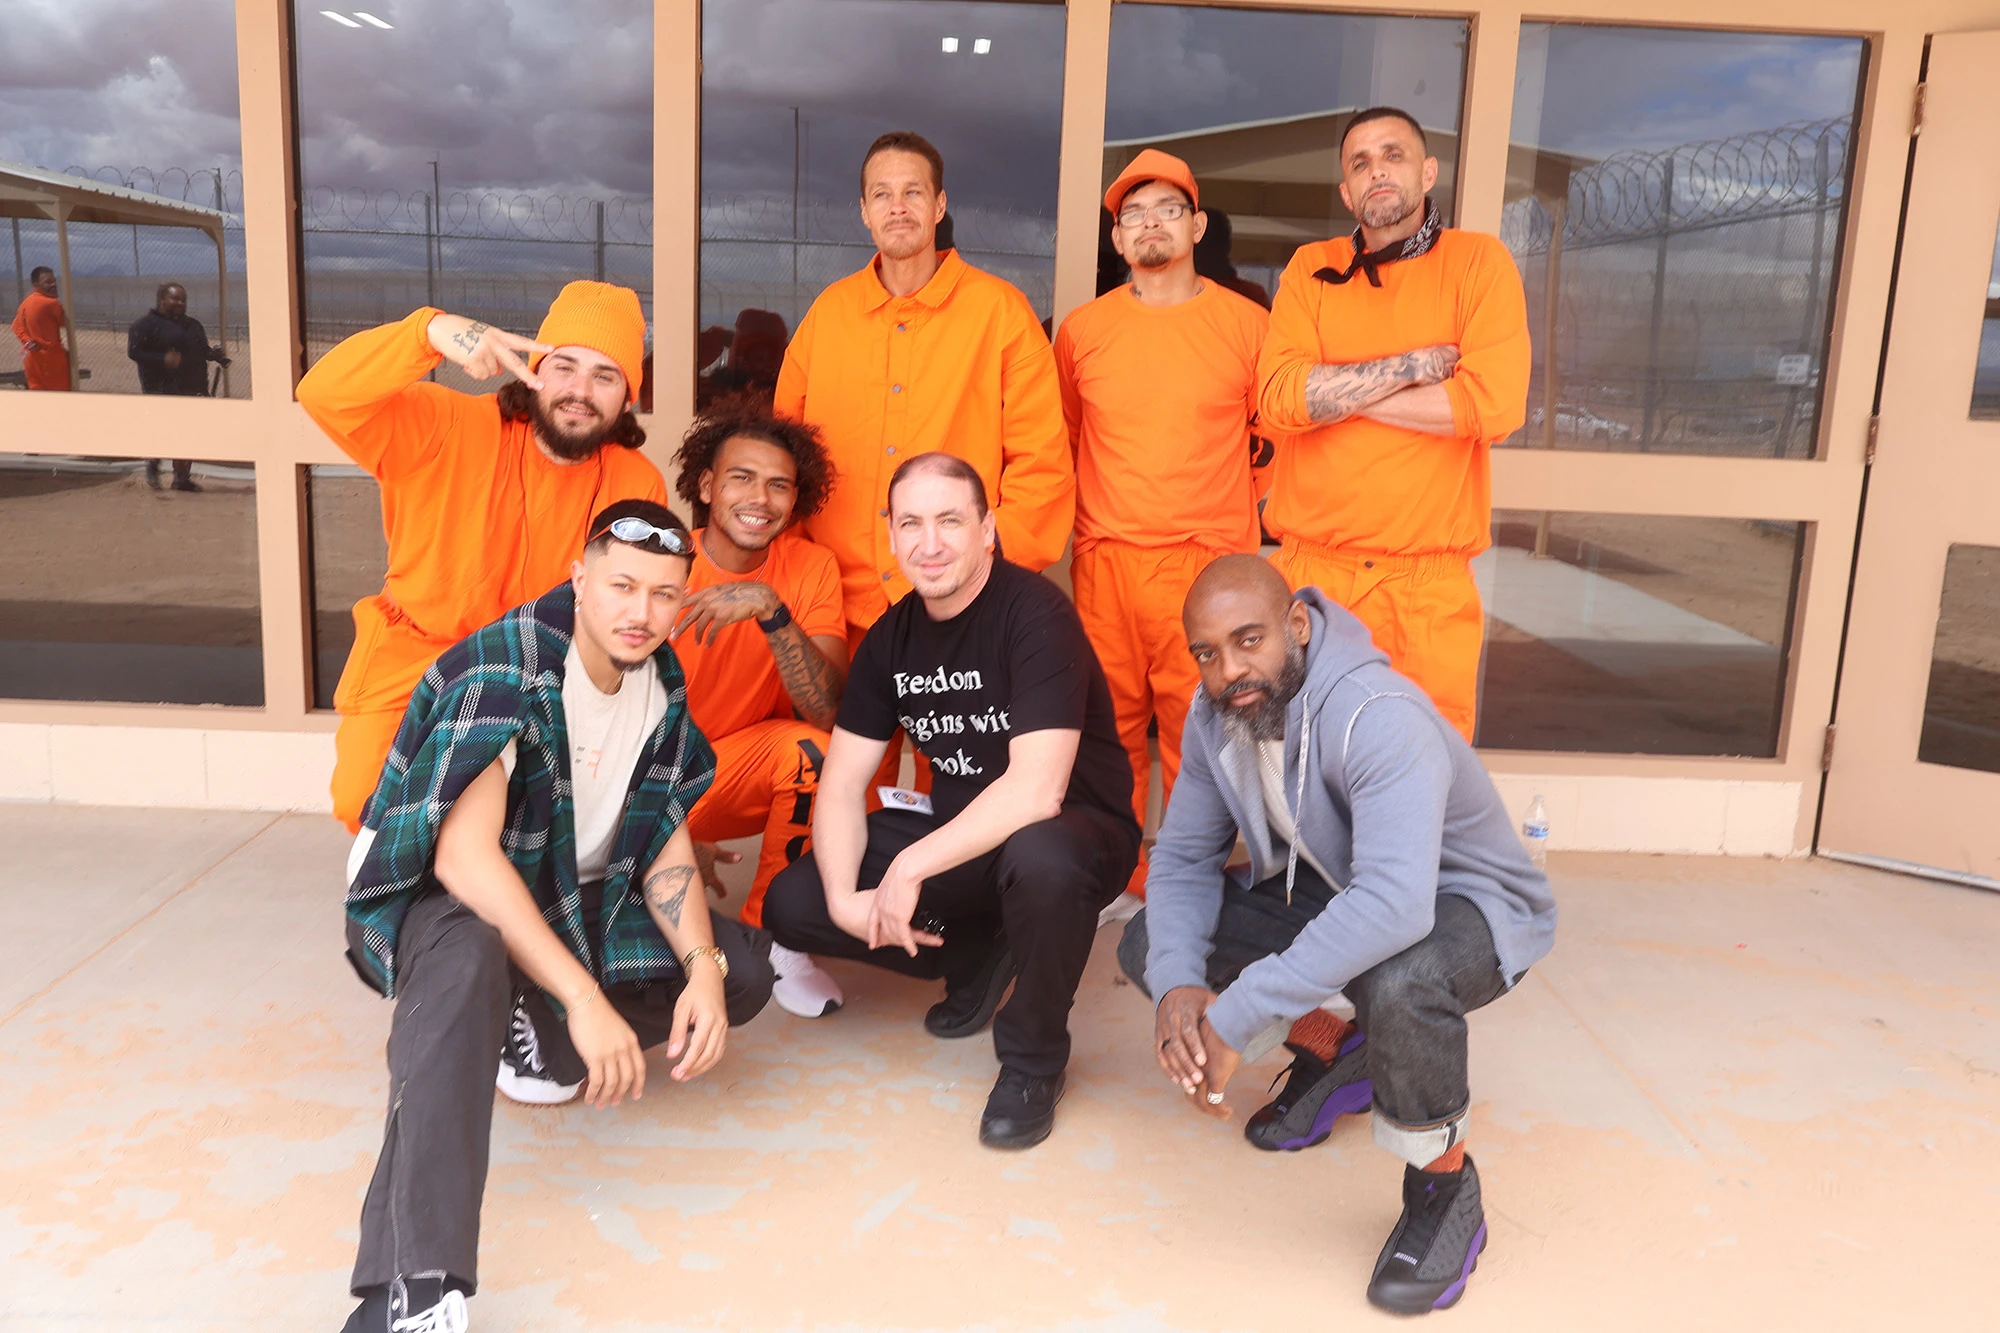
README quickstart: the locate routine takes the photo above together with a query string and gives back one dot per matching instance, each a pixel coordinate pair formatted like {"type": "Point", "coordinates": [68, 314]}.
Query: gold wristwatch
{"type": "Point", "coordinates": [708, 951]}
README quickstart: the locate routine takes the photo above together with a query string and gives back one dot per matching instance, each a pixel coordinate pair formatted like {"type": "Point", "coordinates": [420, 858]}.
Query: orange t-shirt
{"type": "Point", "coordinates": [40, 319]}
{"type": "Point", "coordinates": [733, 682]}
{"type": "Point", "coordinates": [960, 365]}
{"type": "Point", "coordinates": [1160, 401]}
{"type": "Point", "coordinates": [479, 520]}
{"type": "Point", "coordinates": [1371, 487]}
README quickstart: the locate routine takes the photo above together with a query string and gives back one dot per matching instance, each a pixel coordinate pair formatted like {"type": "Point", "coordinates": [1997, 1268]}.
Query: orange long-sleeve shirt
{"type": "Point", "coordinates": [40, 320]}
{"type": "Point", "coordinates": [1159, 401]}
{"type": "Point", "coordinates": [478, 518]}
{"type": "Point", "coordinates": [960, 365]}
{"type": "Point", "coordinates": [1366, 486]}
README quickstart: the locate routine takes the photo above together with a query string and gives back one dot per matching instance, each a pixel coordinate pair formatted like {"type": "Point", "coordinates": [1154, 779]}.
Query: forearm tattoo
{"type": "Point", "coordinates": [812, 682]}
{"type": "Point", "coordinates": [1335, 393]}
{"type": "Point", "coordinates": [468, 337]}
{"type": "Point", "coordinates": [667, 891]}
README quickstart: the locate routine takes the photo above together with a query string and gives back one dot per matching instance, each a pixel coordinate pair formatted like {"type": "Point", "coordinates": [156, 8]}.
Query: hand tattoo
{"type": "Point", "coordinates": [468, 337]}
{"type": "Point", "coordinates": [667, 891]}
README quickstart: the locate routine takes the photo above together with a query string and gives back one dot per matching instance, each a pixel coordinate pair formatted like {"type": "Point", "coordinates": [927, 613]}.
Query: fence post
{"type": "Point", "coordinates": [20, 274]}
{"type": "Point", "coordinates": [600, 240]}
{"type": "Point", "coordinates": [430, 244]}
{"type": "Point", "coordinates": [1659, 302]}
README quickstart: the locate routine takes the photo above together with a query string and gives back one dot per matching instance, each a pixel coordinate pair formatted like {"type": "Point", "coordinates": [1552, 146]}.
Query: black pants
{"type": "Point", "coordinates": [1412, 1006]}
{"type": "Point", "coordinates": [456, 994]}
{"type": "Point", "coordinates": [1042, 889]}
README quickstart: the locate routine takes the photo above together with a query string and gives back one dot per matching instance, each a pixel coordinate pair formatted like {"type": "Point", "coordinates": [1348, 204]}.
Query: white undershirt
{"type": "Point", "coordinates": [1278, 807]}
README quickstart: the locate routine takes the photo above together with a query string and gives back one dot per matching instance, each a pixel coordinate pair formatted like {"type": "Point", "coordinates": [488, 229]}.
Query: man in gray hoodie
{"type": "Point", "coordinates": [1382, 864]}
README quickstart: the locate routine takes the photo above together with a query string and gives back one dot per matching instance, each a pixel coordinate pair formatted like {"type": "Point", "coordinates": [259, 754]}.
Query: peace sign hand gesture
{"type": "Point", "coordinates": [482, 351]}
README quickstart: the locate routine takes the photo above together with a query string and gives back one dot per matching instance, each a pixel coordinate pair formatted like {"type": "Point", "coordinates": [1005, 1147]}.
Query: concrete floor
{"type": "Point", "coordinates": [1751, 1094]}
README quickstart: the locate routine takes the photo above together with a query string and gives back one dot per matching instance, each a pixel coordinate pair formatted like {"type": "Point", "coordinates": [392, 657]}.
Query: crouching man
{"type": "Point", "coordinates": [528, 843]}
{"type": "Point", "coordinates": [1382, 864]}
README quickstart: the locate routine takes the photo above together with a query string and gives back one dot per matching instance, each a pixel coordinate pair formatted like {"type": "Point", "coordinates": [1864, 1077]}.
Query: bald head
{"type": "Point", "coordinates": [1247, 636]}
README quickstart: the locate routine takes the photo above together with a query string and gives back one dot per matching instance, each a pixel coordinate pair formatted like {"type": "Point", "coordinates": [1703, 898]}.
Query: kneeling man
{"type": "Point", "coordinates": [530, 830]}
{"type": "Point", "coordinates": [1382, 864]}
{"type": "Point", "coordinates": [1028, 830]}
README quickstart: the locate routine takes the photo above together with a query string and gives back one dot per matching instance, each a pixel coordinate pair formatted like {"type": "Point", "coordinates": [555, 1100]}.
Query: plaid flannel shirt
{"type": "Point", "coordinates": [504, 683]}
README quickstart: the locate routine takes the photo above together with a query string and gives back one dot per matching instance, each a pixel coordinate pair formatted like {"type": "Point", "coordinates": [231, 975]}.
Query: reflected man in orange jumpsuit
{"type": "Point", "coordinates": [1399, 355]}
{"type": "Point", "coordinates": [485, 498]}
{"type": "Point", "coordinates": [39, 326]}
{"type": "Point", "coordinates": [763, 639]}
{"type": "Point", "coordinates": [1159, 389]}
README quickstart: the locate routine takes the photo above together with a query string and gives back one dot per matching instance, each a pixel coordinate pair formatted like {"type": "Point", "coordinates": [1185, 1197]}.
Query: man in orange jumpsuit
{"type": "Point", "coordinates": [485, 498]}
{"type": "Point", "coordinates": [920, 351]}
{"type": "Point", "coordinates": [1159, 388]}
{"type": "Point", "coordinates": [763, 640]}
{"type": "Point", "coordinates": [1398, 355]}
{"type": "Point", "coordinates": [39, 326]}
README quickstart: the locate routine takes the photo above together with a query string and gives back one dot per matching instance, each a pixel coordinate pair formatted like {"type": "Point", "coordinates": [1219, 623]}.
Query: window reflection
{"type": "Point", "coordinates": [794, 91]}
{"type": "Point", "coordinates": [1678, 229]}
{"type": "Point", "coordinates": [472, 156]}
{"type": "Point", "coordinates": [120, 171]}
{"type": "Point", "coordinates": [350, 558]}
{"type": "Point", "coordinates": [1254, 101]}
{"type": "Point", "coordinates": [1962, 706]}
{"type": "Point", "coordinates": [1986, 379]}
{"type": "Point", "coordinates": [115, 587]}
{"type": "Point", "coordinates": [1616, 633]}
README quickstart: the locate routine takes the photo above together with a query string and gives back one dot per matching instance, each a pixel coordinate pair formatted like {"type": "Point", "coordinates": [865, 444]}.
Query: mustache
{"type": "Point", "coordinates": [1248, 685]}
{"type": "Point", "coordinates": [574, 400]}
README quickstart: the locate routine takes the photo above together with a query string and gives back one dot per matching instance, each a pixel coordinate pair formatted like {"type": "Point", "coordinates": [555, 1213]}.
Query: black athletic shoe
{"type": "Point", "coordinates": [1315, 1095]}
{"type": "Point", "coordinates": [523, 1075]}
{"type": "Point", "coordinates": [968, 1004]}
{"type": "Point", "coordinates": [1435, 1245]}
{"type": "Point", "coordinates": [1021, 1110]}
{"type": "Point", "coordinates": [410, 1305]}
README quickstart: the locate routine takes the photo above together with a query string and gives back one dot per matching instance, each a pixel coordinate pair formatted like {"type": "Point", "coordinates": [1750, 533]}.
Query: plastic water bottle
{"type": "Point", "coordinates": [1535, 833]}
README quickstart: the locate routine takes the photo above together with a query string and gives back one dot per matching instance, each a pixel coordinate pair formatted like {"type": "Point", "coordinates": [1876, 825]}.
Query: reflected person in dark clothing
{"type": "Point", "coordinates": [172, 351]}
{"type": "Point", "coordinates": [1212, 259]}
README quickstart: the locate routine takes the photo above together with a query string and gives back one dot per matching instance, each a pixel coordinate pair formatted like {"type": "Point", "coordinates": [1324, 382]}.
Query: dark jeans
{"type": "Point", "coordinates": [1042, 889]}
{"type": "Point", "coordinates": [453, 1004]}
{"type": "Point", "coordinates": [1412, 1006]}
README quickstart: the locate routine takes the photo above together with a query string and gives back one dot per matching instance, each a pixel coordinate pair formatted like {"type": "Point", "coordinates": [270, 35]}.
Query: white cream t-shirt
{"type": "Point", "coordinates": [1278, 806]}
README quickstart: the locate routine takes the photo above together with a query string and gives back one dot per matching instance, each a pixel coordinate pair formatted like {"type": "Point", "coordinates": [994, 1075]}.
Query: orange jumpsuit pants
{"type": "Point", "coordinates": [372, 702]}
{"type": "Point", "coordinates": [1423, 611]}
{"type": "Point", "coordinates": [765, 778]}
{"type": "Point", "coordinates": [1129, 599]}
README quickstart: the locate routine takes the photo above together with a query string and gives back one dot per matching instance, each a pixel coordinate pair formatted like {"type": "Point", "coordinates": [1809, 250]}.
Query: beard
{"type": "Point", "coordinates": [1265, 721]}
{"type": "Point", "coordinates": [1155, 253]}
{"type": "Point", "coordinates": [1388, 211]}
{"type": "Point", "coordinates": [570, 442]}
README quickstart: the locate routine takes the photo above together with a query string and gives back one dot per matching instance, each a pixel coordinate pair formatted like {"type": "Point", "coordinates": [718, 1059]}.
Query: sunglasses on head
{"type": "Point", "coordinates": [638, 532]}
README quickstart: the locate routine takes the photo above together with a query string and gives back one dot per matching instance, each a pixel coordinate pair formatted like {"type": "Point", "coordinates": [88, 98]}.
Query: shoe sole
{"type": "Point", "coordinates": [1447, 1298]}
{"type": "Point", "coordinates": [534, 1092]}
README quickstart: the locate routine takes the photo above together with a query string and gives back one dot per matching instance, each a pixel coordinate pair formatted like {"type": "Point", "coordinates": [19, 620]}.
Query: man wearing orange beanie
{"type": "Point", "coordinates": [485, 498]}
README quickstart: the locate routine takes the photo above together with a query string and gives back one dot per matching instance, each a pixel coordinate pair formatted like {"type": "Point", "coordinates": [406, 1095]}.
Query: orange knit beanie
{"type": "Point", "coordinates": [605, 319]}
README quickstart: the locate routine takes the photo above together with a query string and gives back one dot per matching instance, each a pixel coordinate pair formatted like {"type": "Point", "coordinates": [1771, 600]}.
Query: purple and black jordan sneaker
{"type": "Point", "coordinates": [1314, 1096]}
{"type": "Point", "coordinates": [1435, 1245]}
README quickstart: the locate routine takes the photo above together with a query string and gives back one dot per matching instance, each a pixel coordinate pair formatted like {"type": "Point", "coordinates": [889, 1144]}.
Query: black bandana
{"type": "Point", "coordinates": [1418, 242]}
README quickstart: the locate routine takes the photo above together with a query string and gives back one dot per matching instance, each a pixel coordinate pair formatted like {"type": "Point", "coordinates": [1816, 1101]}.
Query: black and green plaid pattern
{"type": "Point", "coordinates": [502, 683]}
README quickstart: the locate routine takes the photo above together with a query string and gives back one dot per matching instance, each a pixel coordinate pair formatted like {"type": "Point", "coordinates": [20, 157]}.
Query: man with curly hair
{"type": "Point", "coordinates": [763, 640]}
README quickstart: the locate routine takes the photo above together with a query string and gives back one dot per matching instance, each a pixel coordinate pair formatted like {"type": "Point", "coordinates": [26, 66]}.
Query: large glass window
{"type": "Point", "coordinates": [1986, 379]}
{"type": "Point", "coordinates": [1676, 202]}
{"type": "Point", "coordinates": [350, 557]}
{"type": "Point", "coordinates": [121, 174]}
{"type": "Point", "coordinates": [1962, 706]}
{"type": "Point", "coordinates": [1618, 633]}
{"type": "Point", "coordinates": [472, 157]}
{"type": "Point", "coordinates": [1254, 101]}
{"type": "Point", "coordinates": [114, 585]}
{"type": "Point", "coordinates": [794, 91]}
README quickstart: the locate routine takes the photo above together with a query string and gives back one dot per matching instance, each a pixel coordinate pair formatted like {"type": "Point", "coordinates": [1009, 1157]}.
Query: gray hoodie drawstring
{"type": "Point", "coordinates": [1299, 793]}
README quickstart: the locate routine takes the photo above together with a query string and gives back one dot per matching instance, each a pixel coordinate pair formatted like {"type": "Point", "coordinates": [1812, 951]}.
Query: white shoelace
{"type": "Point", "coordinates": [524, 1037]}
{"type": "Point", "coordinates": [447, 1316]}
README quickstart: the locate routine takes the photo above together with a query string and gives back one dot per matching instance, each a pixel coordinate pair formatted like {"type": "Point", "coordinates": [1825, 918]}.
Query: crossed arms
{"type": "Point", "coordinates": [1404, 390]}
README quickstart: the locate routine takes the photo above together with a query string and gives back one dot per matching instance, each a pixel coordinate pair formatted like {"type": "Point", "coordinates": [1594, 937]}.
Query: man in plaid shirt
{"type": "Point", "coordinates": [527, 848]}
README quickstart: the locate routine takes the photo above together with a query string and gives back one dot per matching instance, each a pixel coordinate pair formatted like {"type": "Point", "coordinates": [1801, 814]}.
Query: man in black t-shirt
{"type": "Point", "coordinates": [1029, 828]}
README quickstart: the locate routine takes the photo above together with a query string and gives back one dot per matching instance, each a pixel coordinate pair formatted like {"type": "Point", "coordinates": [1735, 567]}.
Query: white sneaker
{"type": "Point", "coordinates": [523, 1077]}
{"type": "Point", "coordinates": [1122, 908]}
{"type": "Point", "coordinates": [803, 989]}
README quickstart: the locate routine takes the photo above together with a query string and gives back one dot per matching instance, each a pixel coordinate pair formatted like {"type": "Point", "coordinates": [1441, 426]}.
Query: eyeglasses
{"type": "Point", "coordinates": [1172, 211]}
{"type": "Point", "coordinates": [637, 532]}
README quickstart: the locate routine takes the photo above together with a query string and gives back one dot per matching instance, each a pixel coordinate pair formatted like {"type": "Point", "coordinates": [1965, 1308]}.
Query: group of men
{"type": "Point", "coordinates": [564, 696]}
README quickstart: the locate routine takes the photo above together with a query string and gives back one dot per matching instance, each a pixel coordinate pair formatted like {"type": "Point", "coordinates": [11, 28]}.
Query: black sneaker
{"type": "Point", "coordinates": [1315, 1095]}
{"type": "Point", "coordinates": [968, 1005]}
{"type": "Point", "coordinates": [523, 1076]}
{"type": "Point", "coordinates": [1435, 1245]}
{"type": "Point", "coordinates": [1021, 1110]}
{"type": "Point", "coordinates": [410, 1305]}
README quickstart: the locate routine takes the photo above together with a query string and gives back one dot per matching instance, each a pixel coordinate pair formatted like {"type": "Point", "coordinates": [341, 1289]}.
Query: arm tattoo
{"type": "Point", "coordinates": [1335, 393]}
{"type": "Point", "coordinates": [667, 891]}
{"type": "Point", "coordinates": [468, 337]}
{"type": "Point", "coordinates": [812, 682]}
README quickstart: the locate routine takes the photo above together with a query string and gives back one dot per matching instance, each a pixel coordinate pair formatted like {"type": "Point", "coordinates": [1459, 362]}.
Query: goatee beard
{"type": "Point", "coordinates": [1265, 721]}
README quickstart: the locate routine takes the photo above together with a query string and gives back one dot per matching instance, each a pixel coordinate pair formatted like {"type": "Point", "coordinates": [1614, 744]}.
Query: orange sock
{"type": "Point", "coordinates": [1453, 1160]}
{"type": "Point", "coordinates": [1321, 1033]}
